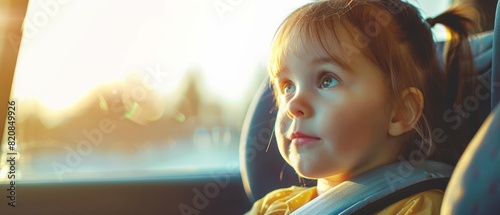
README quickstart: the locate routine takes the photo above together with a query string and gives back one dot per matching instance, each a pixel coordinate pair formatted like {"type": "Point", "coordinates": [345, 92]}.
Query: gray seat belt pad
{"type": "Point", "coordinates": [358, 192]}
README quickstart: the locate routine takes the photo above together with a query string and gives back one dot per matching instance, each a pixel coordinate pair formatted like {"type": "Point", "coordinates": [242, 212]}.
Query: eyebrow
{"type": "Point", "coordinates": [334, 61]}
{"type": "Point", "coordinates": [322, 60]}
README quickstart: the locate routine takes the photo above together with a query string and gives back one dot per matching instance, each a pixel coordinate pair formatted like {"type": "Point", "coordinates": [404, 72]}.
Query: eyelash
{"type": "Point", "coordinates": [322, 74]}
{"type": "Point", "coordinates": [283, 84]}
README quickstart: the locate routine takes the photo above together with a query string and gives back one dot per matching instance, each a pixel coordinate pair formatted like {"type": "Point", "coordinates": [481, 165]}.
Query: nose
{"type": "Point", "coordinates": [299, 106]}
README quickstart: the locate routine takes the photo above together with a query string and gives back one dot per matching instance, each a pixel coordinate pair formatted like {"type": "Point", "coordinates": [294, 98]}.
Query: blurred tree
{"type": "Point", "coordinates": [191, 101]}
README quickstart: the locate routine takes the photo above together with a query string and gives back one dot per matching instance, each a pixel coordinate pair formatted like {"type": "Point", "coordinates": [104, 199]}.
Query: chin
{"type": "Point", "coordinates": [309, 173]}
{"type": "Point", "coordinates": [312, 171]}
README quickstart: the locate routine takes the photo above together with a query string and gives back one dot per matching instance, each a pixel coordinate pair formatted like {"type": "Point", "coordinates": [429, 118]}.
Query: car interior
{"type": "Point", "coordinates": [64, 180]}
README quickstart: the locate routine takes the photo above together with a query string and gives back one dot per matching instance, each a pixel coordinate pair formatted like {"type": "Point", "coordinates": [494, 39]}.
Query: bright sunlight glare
{"type": "Point", "coordinates": [68, 49]}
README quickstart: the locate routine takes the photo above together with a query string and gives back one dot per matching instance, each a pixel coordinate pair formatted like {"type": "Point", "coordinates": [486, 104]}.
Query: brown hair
{"type": "Point", "coordinates": [393, 35]}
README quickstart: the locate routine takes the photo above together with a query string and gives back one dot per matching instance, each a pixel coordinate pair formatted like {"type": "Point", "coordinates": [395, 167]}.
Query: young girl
{"type": "Point", "coordinates": [359, 85]}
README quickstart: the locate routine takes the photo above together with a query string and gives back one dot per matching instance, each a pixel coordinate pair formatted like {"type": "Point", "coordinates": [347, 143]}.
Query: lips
{"type": "Point", "coordinates": [301, 139]}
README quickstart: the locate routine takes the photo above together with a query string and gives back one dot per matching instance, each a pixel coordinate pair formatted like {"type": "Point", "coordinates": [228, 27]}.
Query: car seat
{"type": "Point", "coordinates": [475, 184]}
{"type": "Point", "coordinates": [263, 169]}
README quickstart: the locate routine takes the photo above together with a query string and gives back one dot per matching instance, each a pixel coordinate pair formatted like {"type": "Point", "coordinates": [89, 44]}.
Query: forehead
{"type": "Point", "coordinates": [316, 43]}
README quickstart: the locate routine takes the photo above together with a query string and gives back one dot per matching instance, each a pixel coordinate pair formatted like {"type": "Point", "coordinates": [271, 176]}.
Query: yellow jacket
{"type": "Point", "coordinates": [287, 200]}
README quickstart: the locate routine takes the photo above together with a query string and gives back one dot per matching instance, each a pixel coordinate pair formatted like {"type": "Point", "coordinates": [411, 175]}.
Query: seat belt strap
{"type": "Point", "coordinates": [380, 204]}
{"type": "Point", "coordinates": [390, 182]}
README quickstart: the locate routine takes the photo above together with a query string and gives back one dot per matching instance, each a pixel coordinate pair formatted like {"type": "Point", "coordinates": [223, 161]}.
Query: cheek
{"type": "Point", "coordinates": [355, 126]}
{"type": "Point", "coordinates": [281, 126]}
{"type": "Point", "coordinates": [281, 121]}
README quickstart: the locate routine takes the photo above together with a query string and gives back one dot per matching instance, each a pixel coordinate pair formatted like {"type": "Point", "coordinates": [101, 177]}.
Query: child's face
{"type": "Point", "coordinates": [333, 117]}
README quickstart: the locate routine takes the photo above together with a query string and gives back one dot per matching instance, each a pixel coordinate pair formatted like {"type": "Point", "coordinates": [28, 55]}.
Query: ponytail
{"type": "Point", "coordinates": [461, 22]}
{"type": "Point", "coordinates": [459, 73]}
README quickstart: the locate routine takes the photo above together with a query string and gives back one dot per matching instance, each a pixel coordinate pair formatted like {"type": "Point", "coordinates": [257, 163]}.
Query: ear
{"type": "Point", "coordinates": [406, 114]}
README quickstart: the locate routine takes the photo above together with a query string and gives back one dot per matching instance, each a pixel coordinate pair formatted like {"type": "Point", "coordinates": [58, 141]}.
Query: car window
{"type": "Point", "coordinates": [111, 89]}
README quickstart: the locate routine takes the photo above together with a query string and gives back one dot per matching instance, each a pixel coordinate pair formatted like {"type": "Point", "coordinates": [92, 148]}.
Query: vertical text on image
{"type": "Point", "coordinates": [11, 154]}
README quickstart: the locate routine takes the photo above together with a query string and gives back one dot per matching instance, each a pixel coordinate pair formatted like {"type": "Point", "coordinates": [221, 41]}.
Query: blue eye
{"type": "Point", "coordinates": [287, 88]}
{"type": "Point", "coordinates": [328, 81]}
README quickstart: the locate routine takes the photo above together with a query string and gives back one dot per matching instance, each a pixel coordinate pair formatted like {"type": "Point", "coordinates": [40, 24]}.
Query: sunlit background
{"type": "Point", "coordinates": [113, 88]}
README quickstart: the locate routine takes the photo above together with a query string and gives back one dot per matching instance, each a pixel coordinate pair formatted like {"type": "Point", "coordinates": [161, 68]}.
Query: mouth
{"type": "Point", "coordinates": [301, 139]}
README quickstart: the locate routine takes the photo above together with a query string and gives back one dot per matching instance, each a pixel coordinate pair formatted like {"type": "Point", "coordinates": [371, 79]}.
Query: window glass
{"type": "Point", "coordinates": [109, 89]}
